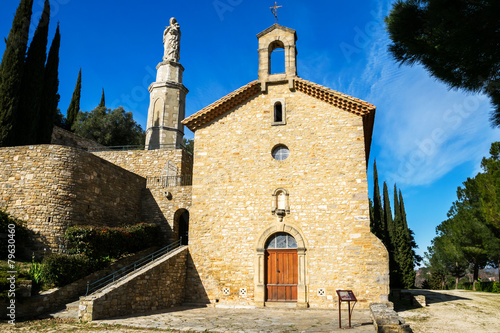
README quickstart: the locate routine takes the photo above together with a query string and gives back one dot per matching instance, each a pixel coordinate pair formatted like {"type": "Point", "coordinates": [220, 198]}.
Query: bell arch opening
{"type": "Point", "coordinates": [276, 57]}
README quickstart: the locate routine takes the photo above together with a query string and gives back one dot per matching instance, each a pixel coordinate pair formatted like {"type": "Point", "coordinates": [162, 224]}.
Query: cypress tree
{"type": "Point", "coordinates": [50, 97]}
{"type": "Point", "coordinates": [103, 100]}
{"type": "Point", "coordinates": [389, 223]}
{"type": "Point", "coordinates": [11, 71]}
{"type": "Point", "coordinates": [391, 240]}
{"type": "Point", "coordinates": [74, 106]}
{"type": "Point", "coordinates": [28, 115]}
{"type": "Point", "coordinates": [408, 255]}
{"type": "Point", "coordinates": [397, 207]}
{"type": "Point", "coordinates": [377, 222]}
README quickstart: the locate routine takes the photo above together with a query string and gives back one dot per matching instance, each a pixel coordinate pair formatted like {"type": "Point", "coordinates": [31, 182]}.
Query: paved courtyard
{"type": "Point", "coordinates": [248, 320]}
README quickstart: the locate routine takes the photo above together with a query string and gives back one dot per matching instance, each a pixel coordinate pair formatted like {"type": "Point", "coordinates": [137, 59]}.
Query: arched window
{"type": "Point", "coordinates": [278, 112]}
{"type": "Point", "coordinates": [281, 240]}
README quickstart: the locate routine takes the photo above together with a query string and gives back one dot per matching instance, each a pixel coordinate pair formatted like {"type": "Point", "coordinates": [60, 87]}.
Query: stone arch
{"type": "Point", "coordinates": [158, 109]}
{"type": "Point", "coordinates": [259, 265]}
{"type": "Point", "coordinates": [276, 44]}
{"type": "Point", "coordinates": [181, 226]}
{"type": "Point", "coordinates": [282, 227]}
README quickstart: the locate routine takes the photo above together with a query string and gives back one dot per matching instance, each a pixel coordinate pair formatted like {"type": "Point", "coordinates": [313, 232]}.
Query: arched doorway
{"type": "Point", "coordinates": [184, 227]}
{"type": "Point", "coordinates": [282, 273]}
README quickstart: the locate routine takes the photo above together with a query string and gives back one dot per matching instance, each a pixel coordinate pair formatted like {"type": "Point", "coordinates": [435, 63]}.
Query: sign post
{"type": "Point", "coordinates": [346, 296]}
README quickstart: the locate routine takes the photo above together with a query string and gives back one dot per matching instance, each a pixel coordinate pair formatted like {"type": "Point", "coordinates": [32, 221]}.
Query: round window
{"type": "Point", "coordinates": [280, 153]}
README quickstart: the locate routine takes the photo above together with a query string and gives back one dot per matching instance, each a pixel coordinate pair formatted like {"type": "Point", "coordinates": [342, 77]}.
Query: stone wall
{"type": "Point", "coordinates": [57, 298]}
{"type": "Point", "coordinates": [234, 179]}
{"type": "Point", "coordinates": [66, 138]}
{"type": "Point", "coordinates": [52, 187]}
{"type": "Point", "coordinates": [150, 163]}
{"type": "Point", "coordinates": [158, 285]}
{"type": "Point", "coordinates": [164, 205]}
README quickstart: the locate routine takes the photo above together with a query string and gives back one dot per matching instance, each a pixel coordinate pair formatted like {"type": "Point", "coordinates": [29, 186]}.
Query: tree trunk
{"type": "Point", "coordinates": [476, 276]}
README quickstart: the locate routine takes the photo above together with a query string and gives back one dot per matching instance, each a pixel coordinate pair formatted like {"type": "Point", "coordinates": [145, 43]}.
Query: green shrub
{"type": "Point", "coordinates": [488, 286]}
{"type": "Point", "coordinates": [465, 285]}
{"type": "Point", "coordinates": [4, 275]}
{"type": "Point", "coordinates": [98, 242]}
{"type": "Point", "coordinates": [62, 269]}
{"type": "Point", "coordinates": [36, 275]}
{"type": "Point", "coordinates": [21, 236]}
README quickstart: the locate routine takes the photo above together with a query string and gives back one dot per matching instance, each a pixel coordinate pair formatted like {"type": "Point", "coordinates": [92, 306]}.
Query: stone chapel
{"type": "Point", "coordinates": [273, 204]}
{"type": "Point", "coordinates": [280, 210]}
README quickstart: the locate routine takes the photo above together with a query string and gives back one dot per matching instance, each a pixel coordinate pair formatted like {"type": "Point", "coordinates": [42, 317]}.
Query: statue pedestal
{"type": "Point", "coordinates": [169, 71]}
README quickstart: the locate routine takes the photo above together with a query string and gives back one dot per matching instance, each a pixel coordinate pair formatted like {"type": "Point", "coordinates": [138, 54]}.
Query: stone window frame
{"type": "Point", "coordinates": [274, 102]}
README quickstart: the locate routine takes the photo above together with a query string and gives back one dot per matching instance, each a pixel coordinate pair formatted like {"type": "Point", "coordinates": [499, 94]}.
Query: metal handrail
{"type": "Point", "coordinates": [166, 181]}
{"type": "Point", "coordinates": [94, 286]}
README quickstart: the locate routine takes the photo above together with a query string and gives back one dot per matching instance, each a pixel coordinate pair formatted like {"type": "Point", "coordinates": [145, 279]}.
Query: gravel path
{"type": "Point", "coordinates": [455, 311]}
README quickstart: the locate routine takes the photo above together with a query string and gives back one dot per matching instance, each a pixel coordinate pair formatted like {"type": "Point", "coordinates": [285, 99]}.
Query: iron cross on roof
{"type": "Point", "coordinates": [274, 10]}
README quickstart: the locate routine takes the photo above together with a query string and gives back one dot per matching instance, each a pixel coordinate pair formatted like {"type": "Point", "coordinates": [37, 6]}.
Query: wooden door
{"type": "Point", "coordinates": [281, 275]}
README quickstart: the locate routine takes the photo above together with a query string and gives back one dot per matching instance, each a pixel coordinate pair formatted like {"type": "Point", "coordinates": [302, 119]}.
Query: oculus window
{"type": "Point", "coordinates": [280, 153]}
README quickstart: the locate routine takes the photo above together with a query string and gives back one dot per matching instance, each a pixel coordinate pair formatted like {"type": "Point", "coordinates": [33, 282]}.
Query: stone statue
{"type": "Point", "coordinates": [171, 41]}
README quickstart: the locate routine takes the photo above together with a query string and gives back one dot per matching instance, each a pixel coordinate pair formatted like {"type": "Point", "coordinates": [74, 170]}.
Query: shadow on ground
{"type": "Point", "coordinates": [403, 300]}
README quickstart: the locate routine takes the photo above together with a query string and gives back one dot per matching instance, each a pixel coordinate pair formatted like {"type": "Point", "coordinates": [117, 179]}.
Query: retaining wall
{"type": "Point", "coordinates": [56, 298]}
{"type": "Point", "coordinates": [158, 285]}
{"type": "Point", "coordinates": [53, 187]}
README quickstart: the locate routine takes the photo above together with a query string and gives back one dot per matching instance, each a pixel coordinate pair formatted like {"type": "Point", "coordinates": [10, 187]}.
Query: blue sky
{"type": "Point", "coordinates": [427, 139]}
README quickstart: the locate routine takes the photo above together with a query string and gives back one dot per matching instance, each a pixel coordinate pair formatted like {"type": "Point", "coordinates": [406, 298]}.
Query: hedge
{"type": "Point", "coordinates": [487, 286]}
{"type": "Point", "coordinates": [98, 242]}
{"type": "Point", "coordinates": [62, 269]}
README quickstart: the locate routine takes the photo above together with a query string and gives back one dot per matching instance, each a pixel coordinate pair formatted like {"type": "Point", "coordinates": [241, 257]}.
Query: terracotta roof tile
{"type": "Point", "coordinates": [226, 103]}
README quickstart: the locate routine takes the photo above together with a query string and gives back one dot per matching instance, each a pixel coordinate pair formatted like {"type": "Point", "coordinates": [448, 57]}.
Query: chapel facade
{"type": "Point", "coordinates": [280, 211]}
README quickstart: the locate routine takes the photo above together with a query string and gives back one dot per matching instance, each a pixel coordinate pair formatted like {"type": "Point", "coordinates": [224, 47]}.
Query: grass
{"type": "Point", "coordinates": [68, 325]}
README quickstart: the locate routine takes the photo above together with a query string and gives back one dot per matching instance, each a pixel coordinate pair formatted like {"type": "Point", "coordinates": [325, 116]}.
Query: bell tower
{"type": "Point", "coordinates": [167, 95]}
{"type": "Point", "coordinates": [277, 37]}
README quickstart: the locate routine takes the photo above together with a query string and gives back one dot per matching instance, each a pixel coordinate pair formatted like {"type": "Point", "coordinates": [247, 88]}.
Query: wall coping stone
{"type": "Point", "coordinates": [386, 320]}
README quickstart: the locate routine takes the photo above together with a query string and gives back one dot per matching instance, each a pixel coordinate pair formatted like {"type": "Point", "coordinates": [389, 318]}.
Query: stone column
{"type": "Point", "coordinates": [167, 101]}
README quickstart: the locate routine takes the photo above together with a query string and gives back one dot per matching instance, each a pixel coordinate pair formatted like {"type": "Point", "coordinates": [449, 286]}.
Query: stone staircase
{"type": "Point", "coordinates": [70, 312]}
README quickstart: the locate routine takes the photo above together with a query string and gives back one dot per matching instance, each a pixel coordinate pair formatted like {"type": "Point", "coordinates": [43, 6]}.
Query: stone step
{"type": "Point", "coordinates": [70, 312]}
{"type": "Point", "coordinates": [281, 304]}
{"type": "Point", "coordinates": [73, 305]}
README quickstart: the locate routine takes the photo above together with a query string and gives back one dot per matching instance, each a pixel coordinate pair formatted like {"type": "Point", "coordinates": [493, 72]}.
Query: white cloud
{"type": "Point", "coordinates": [422, 129]}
